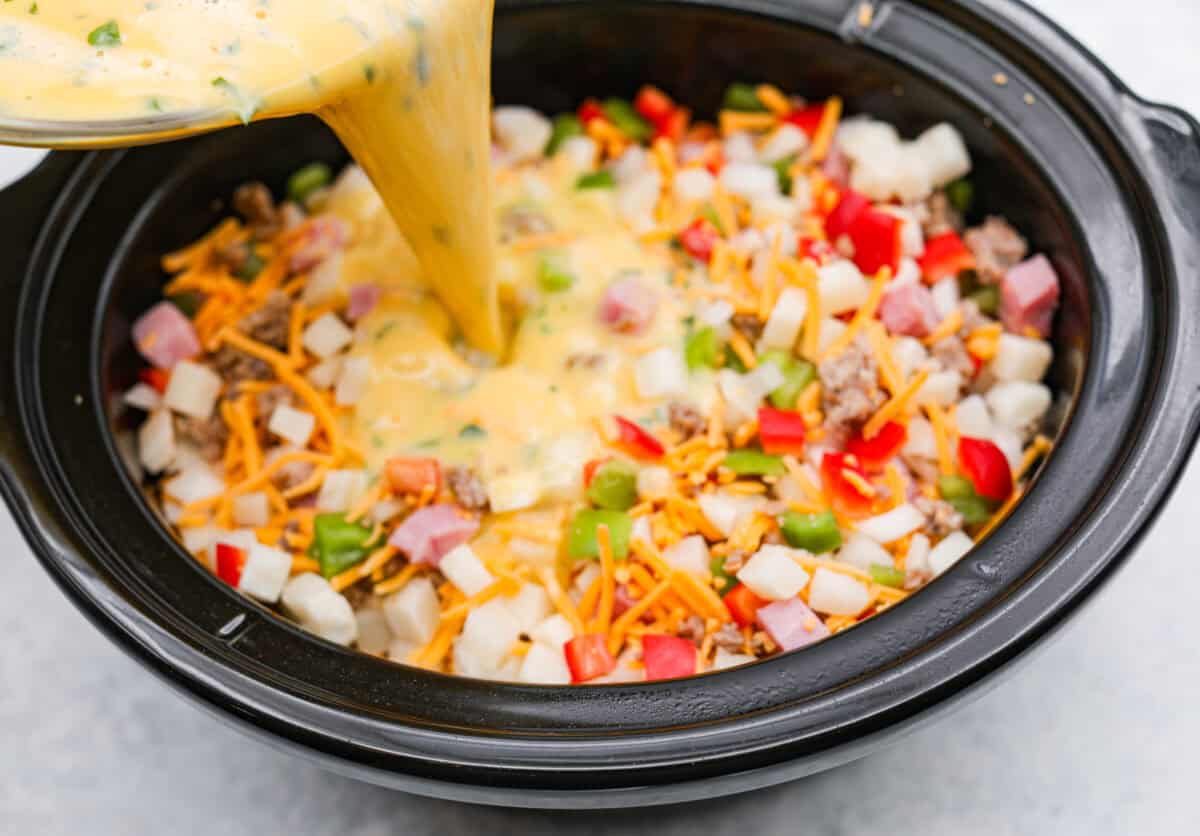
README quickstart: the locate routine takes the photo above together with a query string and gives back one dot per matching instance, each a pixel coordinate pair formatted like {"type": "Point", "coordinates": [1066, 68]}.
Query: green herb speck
{"type": "Point", "coordinates": [106, 34]}
{"type": "Point", "coordinates": [472, 431]}
{"type": "Point", "coordinates": [421, 65]}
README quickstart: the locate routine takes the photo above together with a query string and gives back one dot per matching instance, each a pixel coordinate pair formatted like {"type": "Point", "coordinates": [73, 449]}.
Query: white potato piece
{"type": "Point", "coordinates": [833, 593]}
{"type": "Point", "coordinates": [772, 573]}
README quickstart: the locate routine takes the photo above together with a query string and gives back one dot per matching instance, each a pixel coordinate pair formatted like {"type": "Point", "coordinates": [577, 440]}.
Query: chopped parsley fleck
{"type": "Point", "coordinates": [421, 65]}
{"type": "Point", "coordinates": [472, 431]}
{"type": "Point", "coordinates": [369, 73]}
{"type": "Point", "coordinates": [246, 106]}
{"type": "Point", "coordinates": [106, 34]}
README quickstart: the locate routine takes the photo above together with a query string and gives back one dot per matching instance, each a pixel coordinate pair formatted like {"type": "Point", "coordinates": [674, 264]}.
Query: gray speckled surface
{"type": "Point", "coordinates": [1092, 736]}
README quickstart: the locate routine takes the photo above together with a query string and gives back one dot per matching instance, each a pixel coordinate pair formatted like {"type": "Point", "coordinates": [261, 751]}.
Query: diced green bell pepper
{"type": "Point", "coordinates": [702, 349]}
{"type": "Point", "coordinates": [724, 581]}
{"type": "Point", "coordinates": [251, 267]}
{"type": "Point", "coordinates": [566, 125]}
{"type": "Point", "coordinates": [961, 194]}
{"type": "Point", "coordinates": [960, 493]}
{"type": "Point", "coordinates": [613, 486]}
{"type": "Point", "coordinates": [626, 119]}
{"type": "Point", "coordinates": [783, 171]}
{"type": "Point", "coordinates": [187, 302]}
{"type": "Point", "coordinates": [581, 539]}
{"type": "Point", "coordinates": [732, 361]}
{"type": "Point", "coordinates": [554, 271]}
{"type": "Point", "coordinates": [338, 544]}
{"type": "Point", "coordinates": [709, 213]}
{"type": "Point", "coordinates": [987, 298]}
{"type": "Point", "coordinates": [307, 180]}
{"type": "Point", "coordinates": [816, 533]}
{"type": "Point", "coordinates": [742, 97]}
{"type": "Point", "coordinates": [887, 575]}
{"type": "Point", "coordinates": [754, 463]}
{"type": "Point", "coordinates": [602, 179]}
{"type": "Point", "coordinates": [797, 374]}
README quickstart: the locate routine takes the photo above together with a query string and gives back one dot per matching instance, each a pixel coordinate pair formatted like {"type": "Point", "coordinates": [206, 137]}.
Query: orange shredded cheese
{"type": "Point", "coordinates": [736, 121]}
{"type": "Point", "coordinates": [616, 636]}
{"type": "Point", "coordinates": [502, 586]}
{"type": "Point", "coordinates": [561, 602]}
{"type": "Point", "coordinates": [397, 581]}
{"type": "Point", "coordinates": [895, 405]}
{"type": "Point", "coordinates": [1041, 445]}
{"type": "Point", "coordinates": [947, 328]}
{"type": "Point", "coordinates": [862, 316]}
{"type": "Point", "coordinates": [941, 434]}
{"type": "Point", "coordinates": [742, 348]}
{"type": "Point", "coordinates": [881, 348]}
{"type": "Point", "coordinates": [724, 209]}
{"type": "Point", "coordinates": [772, 99]}
{"type": "Point", "coordinates": [603, 619]}
{"type": "Point", "coordinates": [823, 137]}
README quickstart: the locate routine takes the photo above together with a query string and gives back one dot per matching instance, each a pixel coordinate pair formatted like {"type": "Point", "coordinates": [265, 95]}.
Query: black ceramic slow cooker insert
{"type": "Point", "coordinates": [1106, 184]}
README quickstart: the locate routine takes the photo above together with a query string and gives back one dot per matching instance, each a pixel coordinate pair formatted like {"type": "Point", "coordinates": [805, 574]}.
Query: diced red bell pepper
{"type": "Point", "coordinates": [674, 126]}
{"type": "Point", "coordinates": [987, 467]}
{"type": "Point", "coordinates": [668, 657]}
{"type": "Point", "coordinates": [845, 495]}
{"type": "Point", "coordinates": [589, 110]}
{"type": "Point", "coordinates": [876, 237]}
{"type": "Point", "coordinates": [636, 441]}
{"type": "Point", "coordinates": [589, 469]}
{"type": "Point", "coordinates": [780, 431]}
{"type": "Point", "coordinates": [816, 249]}
{"type": "Point", "coordinates": [945, 255]}
{"type": "Point", "coordinates": [653, 104]}
{"type": "Point", "coordinates": [742, 604]}
{"type": "Point", "coordinates": [699, 238]}
{"type": "Point", "coordinates": [588, 657]}
{"type": "Point", "coordinates": [807, 119]}
{"type": "Point", "coordinates": [411, 476]}
{"type": "Point", "coordinates": [874, 453]}
{"type": "Point", "coordinates": [716, 162]}
{"type": "Point", "coordinates": [230, 560]}
{"type": "Point", "coordinates": [158, 378]}
{"type": "Point", "coordinates": [849, 207]}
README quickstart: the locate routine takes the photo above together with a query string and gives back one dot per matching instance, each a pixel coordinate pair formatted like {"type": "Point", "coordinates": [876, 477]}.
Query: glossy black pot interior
{"type": "Point", "coordinates": [1107, 185]}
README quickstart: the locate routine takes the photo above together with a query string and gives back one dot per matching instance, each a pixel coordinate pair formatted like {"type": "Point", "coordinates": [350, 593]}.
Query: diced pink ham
{"type": "Point", "coordinates": [165, 336]}
{"type": "Point", "coordinates": [836, 165]}
{"type": "Point", "coordinates": [622, 600]}
{"type": "Point", "coordinates": [363, 299]}
{"type": "Point", "coordinates": [628, 306]}
{"type": "Point", "coordinates": [429, 533]}
{"type": "Point", "coordinates": [320, 239]}
{"type": "Point", "coordinates": [907, 308]}
{"type": "Point", "coordinates": [1029, 296]}
{"type": "Point", "coordinates": [791, 624]}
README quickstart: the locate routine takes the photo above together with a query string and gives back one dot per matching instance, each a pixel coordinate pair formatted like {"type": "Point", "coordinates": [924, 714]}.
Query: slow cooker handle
{"type": "Point", "coordinates": [1174, 140]}
{"type": "Point", "coordinates": [24, 207]}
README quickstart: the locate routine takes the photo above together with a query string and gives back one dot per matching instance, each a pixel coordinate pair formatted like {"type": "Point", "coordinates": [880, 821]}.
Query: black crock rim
{"type": "Point", "coordinates": [604, 765]}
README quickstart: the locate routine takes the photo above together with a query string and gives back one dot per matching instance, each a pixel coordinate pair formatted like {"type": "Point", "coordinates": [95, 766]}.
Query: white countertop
{"type": "Point", "coordinates": [1092, 736]}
